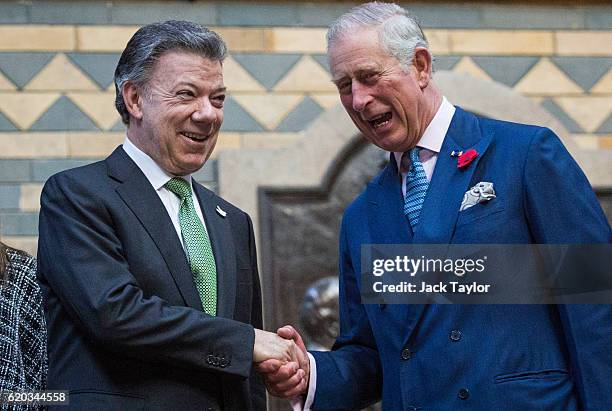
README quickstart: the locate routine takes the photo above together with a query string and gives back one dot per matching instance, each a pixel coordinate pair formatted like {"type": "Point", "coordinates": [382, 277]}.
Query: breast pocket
{"type": "Point", "coordinates": [481, 223]}
{"type": "Point", "coordinates": [480, 211]}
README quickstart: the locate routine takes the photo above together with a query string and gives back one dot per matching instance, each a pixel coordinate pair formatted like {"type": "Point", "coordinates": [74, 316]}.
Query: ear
{"type": "Point", "coordinates": [423, 65]}
{"type": "Point", "coordinates": [132, 97]}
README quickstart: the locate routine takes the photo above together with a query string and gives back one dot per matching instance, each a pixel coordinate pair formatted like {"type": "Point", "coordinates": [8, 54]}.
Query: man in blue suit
{"type": "Point", "coordinates": [442, 357]}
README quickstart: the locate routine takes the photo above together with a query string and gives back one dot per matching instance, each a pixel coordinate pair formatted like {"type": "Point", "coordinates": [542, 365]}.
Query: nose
{"type": "Point", "coordinates": [204, 112]}
{"type": "Point", "coordinates": [361, 96]}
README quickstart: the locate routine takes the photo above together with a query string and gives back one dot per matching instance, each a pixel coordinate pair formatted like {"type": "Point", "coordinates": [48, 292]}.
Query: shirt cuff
{"type": "Point", "coordinates": [298, 403]}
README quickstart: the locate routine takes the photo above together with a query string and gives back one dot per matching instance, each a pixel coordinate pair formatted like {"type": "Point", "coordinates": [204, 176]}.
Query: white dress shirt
{"type": "Point", "coordinates": [431, 142]}
{"type": "Point", "coordinates": [158, 177]}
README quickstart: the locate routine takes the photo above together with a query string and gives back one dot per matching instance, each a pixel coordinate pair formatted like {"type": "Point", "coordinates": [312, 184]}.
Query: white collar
{"type": "Point", "coordinates": [154, 173]}
{"type": "Point", "coordinates": [434, 134]}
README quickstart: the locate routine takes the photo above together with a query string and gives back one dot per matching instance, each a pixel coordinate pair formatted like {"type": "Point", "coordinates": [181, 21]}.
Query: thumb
{"type": "Point", "coordinates": [290, 333]}
{"type": "Point", "coordinates": [287, 332]}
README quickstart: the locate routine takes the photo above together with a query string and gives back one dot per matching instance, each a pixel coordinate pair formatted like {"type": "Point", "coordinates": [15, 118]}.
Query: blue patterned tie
{"type": "Point", "coordinates": [416, 188]}
{"type": "Point", "coordinates": [197, 243]}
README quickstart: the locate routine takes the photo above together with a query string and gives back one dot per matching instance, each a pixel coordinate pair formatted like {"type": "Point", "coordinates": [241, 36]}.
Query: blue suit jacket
{"type": "Point", "coordinates": [441, 357]}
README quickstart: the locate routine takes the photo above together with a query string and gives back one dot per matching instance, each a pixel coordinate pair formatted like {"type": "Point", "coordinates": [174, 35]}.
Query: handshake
{"type": "Point", "coordinates": [283, 361]}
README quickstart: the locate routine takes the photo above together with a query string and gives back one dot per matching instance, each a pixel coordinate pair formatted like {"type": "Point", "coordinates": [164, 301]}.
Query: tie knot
{"type": "Point", "coordinates": [414, 155]}
{"type": "Point", "coordinates": [409, 158]}
{"type": "Point", "coordinates": [180, 187]}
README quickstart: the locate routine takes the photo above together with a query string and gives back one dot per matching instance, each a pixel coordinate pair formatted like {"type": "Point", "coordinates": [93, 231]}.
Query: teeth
{"type": "Point", "coordinates": [381, 124]}
{"type": "Point", "coordinates": [194, 136]}
{"type": "Point", "coordinates": [380, 120]}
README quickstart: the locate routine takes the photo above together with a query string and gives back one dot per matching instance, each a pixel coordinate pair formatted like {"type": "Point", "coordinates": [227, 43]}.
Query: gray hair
{"type": "Point", "coordinates": [399, 32]}
{"type": "Point", "coordinates": [151, 41]}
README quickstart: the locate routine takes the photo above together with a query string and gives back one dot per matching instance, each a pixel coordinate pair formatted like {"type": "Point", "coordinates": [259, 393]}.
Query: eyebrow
{"type": "Point", "coordinates": [337, 81]}
{"type": "Point", "coordinates": [185, 83]}
{"type": "Point", "coordinates": [222, 89]}
{"type": "Point", "coordinates": [358, 73]}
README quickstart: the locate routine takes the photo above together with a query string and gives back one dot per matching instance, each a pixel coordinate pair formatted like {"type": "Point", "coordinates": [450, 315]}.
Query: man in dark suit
{"type": "Point", "coordinates": [150, 280]}
{"type": "Point", "coordinates": [442, 357]}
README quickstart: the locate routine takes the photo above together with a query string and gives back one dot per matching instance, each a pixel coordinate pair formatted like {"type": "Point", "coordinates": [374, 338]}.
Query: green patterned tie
{"type": "Point", "coordinates": [197, 242]}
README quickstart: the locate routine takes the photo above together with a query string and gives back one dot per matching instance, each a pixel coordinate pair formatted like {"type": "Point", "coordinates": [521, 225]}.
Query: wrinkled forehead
{"type": "Point", "coordinates": [353, 37]}
{"type": "Point", "coordinates": [180, 64]}
{"type": "Point", "coordinates": [361, 51]}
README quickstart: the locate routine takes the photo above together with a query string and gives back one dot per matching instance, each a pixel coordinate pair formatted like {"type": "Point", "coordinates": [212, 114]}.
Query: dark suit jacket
{"type": "Point", "coordinates": [443, 357]}
{"type": "Point", "coordinates": [126, 325]}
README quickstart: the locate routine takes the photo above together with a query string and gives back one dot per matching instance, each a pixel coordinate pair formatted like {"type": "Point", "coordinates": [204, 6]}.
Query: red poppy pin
{"type": "Point", "coordinates": [466, 158]}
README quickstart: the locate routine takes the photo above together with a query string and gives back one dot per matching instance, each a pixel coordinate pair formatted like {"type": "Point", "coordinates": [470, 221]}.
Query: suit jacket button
{"type": "Point", "coordinates": [455, 335]}
{"type": "Point", "coordinates": [406, 354]}
{"type": "Point", "coordinates": [463, 394]}
{"type": "Point", "coordinates": [224, 362]}
{"type": "Point", "coordinates": [209, 359]}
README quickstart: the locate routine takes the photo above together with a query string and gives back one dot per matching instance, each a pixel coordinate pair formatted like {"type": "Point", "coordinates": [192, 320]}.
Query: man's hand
{"type": "Point", "coordinates": [287, 380]}
{"type": "Point", "coordinates": [270, 346]}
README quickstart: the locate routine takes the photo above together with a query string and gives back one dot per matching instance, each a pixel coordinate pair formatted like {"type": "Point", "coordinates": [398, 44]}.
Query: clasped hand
{"type": "Point", "coordinates": [283, 361]}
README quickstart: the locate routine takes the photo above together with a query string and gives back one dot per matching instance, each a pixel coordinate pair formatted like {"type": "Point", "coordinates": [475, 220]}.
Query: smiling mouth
{"type": "Point", "coordinates": [380, 120]}
{"type": "Point", "coordinates": [195, 136]}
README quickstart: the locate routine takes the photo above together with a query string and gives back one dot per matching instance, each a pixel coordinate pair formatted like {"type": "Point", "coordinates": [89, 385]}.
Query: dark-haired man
{"type": "Point", "coordinates": [151, 283]}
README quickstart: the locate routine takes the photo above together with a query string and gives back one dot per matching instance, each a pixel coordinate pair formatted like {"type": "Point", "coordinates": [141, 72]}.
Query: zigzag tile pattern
{"type": "Point", "coordinates": [57, 91]}
{"type": "Point", "coordinates": [266, 87]}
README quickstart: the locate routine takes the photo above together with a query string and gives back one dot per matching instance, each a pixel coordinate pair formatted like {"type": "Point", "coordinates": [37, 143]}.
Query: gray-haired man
{"type": "Point", "coordinates": [151, 283]}
{"type": "Point", "coordinates": [443, 357]}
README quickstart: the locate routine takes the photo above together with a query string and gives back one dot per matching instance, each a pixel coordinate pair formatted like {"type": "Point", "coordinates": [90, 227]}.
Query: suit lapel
{"type": "Point", "coordinates": [138, 194]}
{"type": "Point", "coordinates": [388, 225]}
{"type": "Point", "coordinates": [445, 193]}
{"type": "Point", "coordinates": [223, 249]}
{"type": "Point", "coordinates": [386, 220]}
{"type": "Point", "coordinates": [448, 183]}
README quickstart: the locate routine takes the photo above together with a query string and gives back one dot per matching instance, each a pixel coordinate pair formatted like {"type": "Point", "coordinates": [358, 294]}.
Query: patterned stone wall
{"type": "Point", "coordinates": [57, 60]}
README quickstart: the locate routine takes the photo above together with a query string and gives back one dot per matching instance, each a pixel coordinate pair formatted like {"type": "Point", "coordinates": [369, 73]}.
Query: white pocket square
{"type": "Point", "coordinates": [480, 193]}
